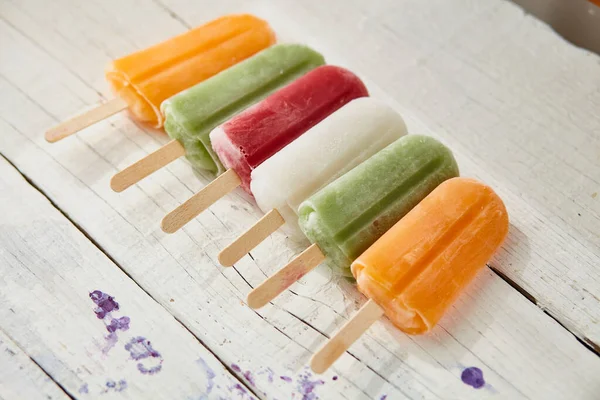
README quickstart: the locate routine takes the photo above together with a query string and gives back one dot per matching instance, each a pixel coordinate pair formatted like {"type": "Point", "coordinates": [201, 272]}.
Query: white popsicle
{"type": "Point", "coordinates": [328, 150]}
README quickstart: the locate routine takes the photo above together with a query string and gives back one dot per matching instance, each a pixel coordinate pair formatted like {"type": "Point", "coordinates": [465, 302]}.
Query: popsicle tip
{"type": "Point", "coordinates": [167, 225]}
{"type": "Point", "coordinates": [317, 364]}
{"type": "Point", "coordinates": [225, 260]}
{"type": "Point", "coordinates": [116, 183]}
{"type": "Point", "coordinates": [52, 136]}
{"type": "Point", "coordinates": [255, 300]}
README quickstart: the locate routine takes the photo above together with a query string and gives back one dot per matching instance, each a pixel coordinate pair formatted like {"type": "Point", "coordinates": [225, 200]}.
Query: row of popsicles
{"type": "Point", "coordinates": [319, 157]}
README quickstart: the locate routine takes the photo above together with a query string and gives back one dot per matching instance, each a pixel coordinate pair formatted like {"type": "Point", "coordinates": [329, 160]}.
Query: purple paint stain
{"type": "Point", "coordinates": [111, 341]}
{"type": "Point", "coordinates": [307, 386]}
{"type": "Point", "coordinates": [383, 397]}
{"type": "Point", "coordinates": [247, 374]}
{"type": "Point", "coordinates": [118, 324]}
{"type": "Point", "coordinates": [210, 375]}
{"type": "Point", "coordinates": [335, 378]}
{"type": "Point", "coordinates": [249, 378]}
{"type": "Point", "coordinates": [239, 388]}
{"type": "Point", "coordinates": [105, 303]}
{"type": "Point", "coordinates": [241, 391]}
{"type": "Point", "coordinates": [149, 371]}
{"type": "Point", "coordinates": [269, 373]}
{"type": "Point", "coordinates": [115, 386]}
{"type": "Point", "coordinates": [84, 389]}
{"type": "Point", "coordinates": [140, 348]}
{"type": "Point", "coordinates": [286, 379]}
{"type": "Point", "coordinates": [473, 376]}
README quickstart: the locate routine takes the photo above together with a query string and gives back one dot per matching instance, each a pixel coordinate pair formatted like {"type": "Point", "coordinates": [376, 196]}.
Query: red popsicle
{"type": "Point", "coordinates": [248, 139]}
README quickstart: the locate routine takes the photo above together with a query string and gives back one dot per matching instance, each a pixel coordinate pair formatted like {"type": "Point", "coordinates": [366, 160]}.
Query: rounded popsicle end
{"type": "Point", "coordinates": [226, 259]}
{"type": "Point", "coordinates": [354, 86]}
{"type": "Point", "coordinates": [167, 225]}
{"type": "Point", "coordinates": [255, 300]}
{"type": "Point", "coordinates": [130, 93]}
{"type": "Point", "coordinates": [117, 184]}
{"type": "Point", "coordinates": [318, 364]}
{"type": "Point", "coordinates": [419, 267]}
{"type": "Point", "coordinates": [52, 135]}
{"type": "Point", "coordinates": [495, 204]}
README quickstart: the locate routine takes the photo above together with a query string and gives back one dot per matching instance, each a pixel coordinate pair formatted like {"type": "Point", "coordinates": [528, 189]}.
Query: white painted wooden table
{"type": "Point", "coordinates": [519, 106]}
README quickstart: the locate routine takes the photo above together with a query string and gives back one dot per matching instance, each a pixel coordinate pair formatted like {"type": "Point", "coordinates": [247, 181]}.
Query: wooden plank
{"type": "Point", "coordinates": [79, 317]}
{"type": "Point", "coordinates": [522, 352]}
{"type": "Point", "coordinates": [21, 378]}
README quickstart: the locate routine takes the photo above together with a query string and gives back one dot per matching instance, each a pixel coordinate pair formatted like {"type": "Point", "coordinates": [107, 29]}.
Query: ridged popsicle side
{"type": "Point", "coordinates": [419, 267]}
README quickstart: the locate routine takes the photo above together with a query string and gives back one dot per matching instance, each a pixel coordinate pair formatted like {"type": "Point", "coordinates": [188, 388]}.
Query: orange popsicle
{"type": "Point", "coordinates": [144, 79]}
{"type": "Point", "coordinates": [415, 271]}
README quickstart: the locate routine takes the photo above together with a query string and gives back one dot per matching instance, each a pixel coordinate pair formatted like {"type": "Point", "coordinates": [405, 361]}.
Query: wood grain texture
{"type": "Point", "coordinates": [85, 119]}
{"type": "Point", "coordinates": [146, 166]}
{"type": "Point", "coordinates": [125, 346]}
{"type": "Point", "coordinates": [199, 202]}
{"type": "Point", "coordinates": [22, 378]}
{"type": "Point", "coordinates": [281, 280]}
{"type": "Point", "coordinates": [341, 341]}
{"type": "Point", "coordinates": [496, 86]}
{"type": "Point", "coordinates": [256, 234]}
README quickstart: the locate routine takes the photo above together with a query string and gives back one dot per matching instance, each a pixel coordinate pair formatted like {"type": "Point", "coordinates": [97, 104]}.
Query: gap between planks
{"type": "Point", "coordinates": [586, 342]}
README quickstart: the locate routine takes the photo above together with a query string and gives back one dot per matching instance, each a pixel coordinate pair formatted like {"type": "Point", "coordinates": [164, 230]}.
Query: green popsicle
{"type": "Point", "coordinates": [350, 214]}
{"type": "Point", "coordinates": [192, 114]}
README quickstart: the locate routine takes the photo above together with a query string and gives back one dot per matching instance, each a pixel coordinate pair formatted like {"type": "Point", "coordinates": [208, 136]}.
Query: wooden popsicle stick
{"type": "Point", "coordinates": [285, 277]}
{"type": "Point", "coordinates": [147, 165]}
{"type": "Point", "coordinates": [199, 202]}
{"type": "Point", "coordinates": [343, 339]}
{"type": "Point", "coordinates": [248, 240]}
{"type": "Point", "coordinates": [75, 124]}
